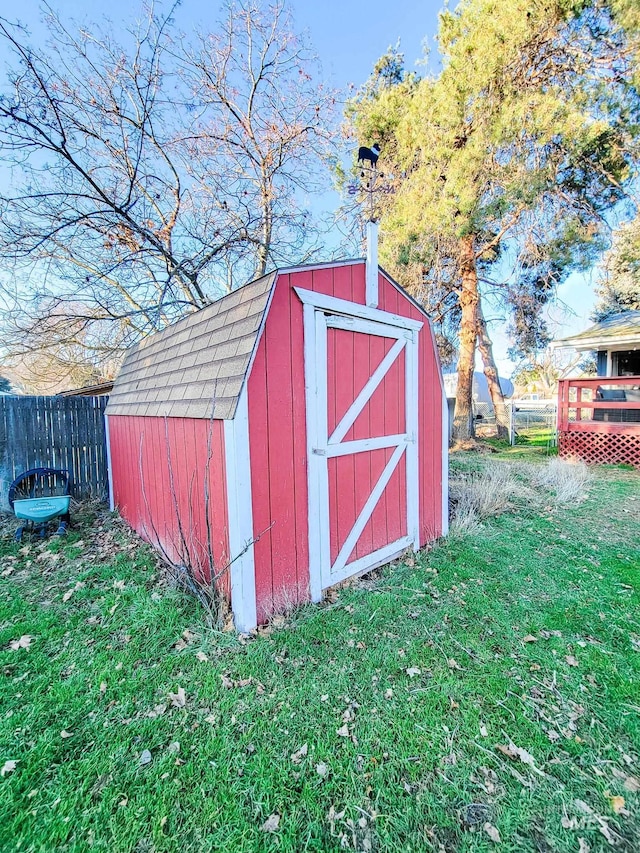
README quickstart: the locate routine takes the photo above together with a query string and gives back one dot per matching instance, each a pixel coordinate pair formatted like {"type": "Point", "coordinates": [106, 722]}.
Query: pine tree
{"type": "Point", "coordinates": [514, 151]}
{"type": "Point", "coordinates": [619, 285]}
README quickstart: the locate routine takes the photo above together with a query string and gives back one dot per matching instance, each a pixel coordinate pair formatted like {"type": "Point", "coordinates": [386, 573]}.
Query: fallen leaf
{"type": "Point", "coordinates": [483, 731]}
{"type": "Point", "coordinates": [388, 693]}
{"type": "Point", "coordinates": [174, 747]}
{"type": "Point", "coordinates": [178, 699]}
{"type": "Point", "coordinates": [103, 687]}
{"type": "Point", "coordinates": [163, 821]}
{"type": "Point", "coordinates": [529, 639]}
{"type": "Point", "coordinates": [571, 660]}
{"type": "Point", "coordinates": [517, 752]}
{"type": "Point", "coordinates": [322, 769]}
{"type": "Point", "coordinates": [452, 664]}
{"type": "Point", "coordinates": [616, 802]}
{"type": "Point", "coordinates": [343, 731]}
{"type": "Point", "coordinates": [271, 823]}
{"type": "Point", "coordinates": [583, 847]}
{"type": "Point", "coordinates": [631, 783]}
{"type": "Point", "coordinates": [73, 589]}
{"type": "Point", "coordinates": [227, 683]}
{"type": "Point", "coordinates": [299, 754]}
{"type": "Point", "coordinates": [413, 671]}
{"type": "Point", "coordinates": [492, 832]}
{"type": "Point", "coordinates": [8, 767]}
{"type": "Point", "coordinates": [119, 584]}
{"type": "Point", "coordinates": [23, 643]}
{"type": "Point", "coordinates": [145, 758]}
{"type": "Point", "coordinates": [202, 657]}
{"type": "Point", "coordinates": [65, 734]}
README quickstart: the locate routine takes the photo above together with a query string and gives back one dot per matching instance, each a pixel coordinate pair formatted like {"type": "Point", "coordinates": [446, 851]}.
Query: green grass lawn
{"type": "Point", "coordinates": [481, 696]}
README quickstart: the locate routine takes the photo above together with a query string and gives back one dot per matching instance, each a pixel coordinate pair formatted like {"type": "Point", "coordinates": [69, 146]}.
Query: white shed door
{"type": "Point", "coordinates": [361, 378]}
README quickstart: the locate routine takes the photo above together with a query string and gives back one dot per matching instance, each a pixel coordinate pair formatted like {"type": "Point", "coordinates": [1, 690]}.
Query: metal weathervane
{"type": "Point", "coordinates": [371, 180]}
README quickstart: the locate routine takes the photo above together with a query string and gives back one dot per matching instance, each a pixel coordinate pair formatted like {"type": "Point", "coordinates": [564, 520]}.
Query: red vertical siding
{"type": "Point", "coordinates": [161, 470]}
{"type": "Point", "coordinates": [430, 405]}
{"type": "Point", "coordinates": [277, 434]}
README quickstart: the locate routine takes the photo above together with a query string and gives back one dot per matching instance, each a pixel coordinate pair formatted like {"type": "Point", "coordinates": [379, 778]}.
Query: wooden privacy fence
{"type": "Point", "coordinates": [54, 432]}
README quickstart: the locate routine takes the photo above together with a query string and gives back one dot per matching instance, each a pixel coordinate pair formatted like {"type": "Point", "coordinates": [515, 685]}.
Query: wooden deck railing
{"type": "Point", "coordinates": [604, 404]}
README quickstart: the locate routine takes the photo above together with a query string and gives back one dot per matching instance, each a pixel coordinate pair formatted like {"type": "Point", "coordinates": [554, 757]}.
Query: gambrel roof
{"type": "Point", "coordinates": [196, 367]}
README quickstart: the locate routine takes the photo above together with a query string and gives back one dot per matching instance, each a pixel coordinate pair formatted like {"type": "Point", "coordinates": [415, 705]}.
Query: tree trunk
{"type": "Point", "coordinates": [463, 420]}
{"type": "Point", "coordinates": [491, 373]}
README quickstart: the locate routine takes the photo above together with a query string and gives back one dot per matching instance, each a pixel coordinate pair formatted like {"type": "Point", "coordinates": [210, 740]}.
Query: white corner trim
{"type": "Point", "coordinates": [107, 438]}
{"type": "Point", "coordinates": [354, 309]}
{"type": "Point", "coordinates": [445, 464]}
{"type": "Point", "coordinates": [412, 426]}
{"type": "Point", "coordinates": [240, 517]}
{"type": "Point", "coordinates": [371, 279]}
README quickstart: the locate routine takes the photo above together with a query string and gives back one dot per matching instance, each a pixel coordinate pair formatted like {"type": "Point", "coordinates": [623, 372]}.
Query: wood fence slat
{"type": "Point", "coordinates": [54, 432]}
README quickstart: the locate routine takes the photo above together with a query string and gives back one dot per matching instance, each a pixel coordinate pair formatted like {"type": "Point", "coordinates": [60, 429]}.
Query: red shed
{"type": "Point", "coordinates": [288, 436]}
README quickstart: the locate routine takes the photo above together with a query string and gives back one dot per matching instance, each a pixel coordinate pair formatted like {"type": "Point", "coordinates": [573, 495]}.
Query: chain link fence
{"type": "Point", "coordinates": [526, 421]}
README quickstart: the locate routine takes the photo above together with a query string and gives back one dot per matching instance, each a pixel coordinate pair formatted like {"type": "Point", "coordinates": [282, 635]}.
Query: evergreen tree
{"type": "Point", "coordinates": [511, 154]}
{"type": "Point", "coordinates": [619, 285]}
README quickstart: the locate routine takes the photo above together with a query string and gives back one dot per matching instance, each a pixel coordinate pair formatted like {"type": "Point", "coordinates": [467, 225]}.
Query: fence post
{"type": "Point", "coordinates": [512, 424]}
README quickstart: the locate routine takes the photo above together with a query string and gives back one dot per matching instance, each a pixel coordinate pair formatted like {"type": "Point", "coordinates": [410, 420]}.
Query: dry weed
{"type": "Point", "coordinates": [482, 494]}
{"type": "Point", "coordinates": [567, 479]}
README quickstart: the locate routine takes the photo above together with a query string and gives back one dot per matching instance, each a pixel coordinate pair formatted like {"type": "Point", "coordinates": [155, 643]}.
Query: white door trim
{"type": "Point", "coordinates": [348, 419]}
{"type": "Point", "coordinates": [412, 463]}
{"type": "Point", "coordinates": [365, 513]}
{"type": "Point", "coordinates": [359, 445]}
{"type": "Point", "coordinates": [320, 447]}
{"type": "Point", "coordinates": [354, 309]}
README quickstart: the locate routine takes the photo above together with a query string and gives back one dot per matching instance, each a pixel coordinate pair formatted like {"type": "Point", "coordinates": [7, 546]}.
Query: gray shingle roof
{"type": "Point", "coordinates": [618, 328]}
{"type": "Point", "coordinates": [196, 367]}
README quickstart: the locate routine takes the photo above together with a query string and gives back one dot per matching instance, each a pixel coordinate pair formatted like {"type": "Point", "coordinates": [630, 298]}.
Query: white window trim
{"type": "Point", "coordinates": [240, 517]}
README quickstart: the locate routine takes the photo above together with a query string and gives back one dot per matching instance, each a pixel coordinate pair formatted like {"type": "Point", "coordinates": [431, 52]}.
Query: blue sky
{"type": "Point", "coordinates": [348, 37]}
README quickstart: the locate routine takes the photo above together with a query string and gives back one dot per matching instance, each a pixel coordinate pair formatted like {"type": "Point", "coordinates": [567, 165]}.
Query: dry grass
{"type": "Point", "coordinates": [496, 487]}
{"type": "Point", "coordinates": [568, 480]}
{"type": "Point", "coordinates": [481, 494]}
